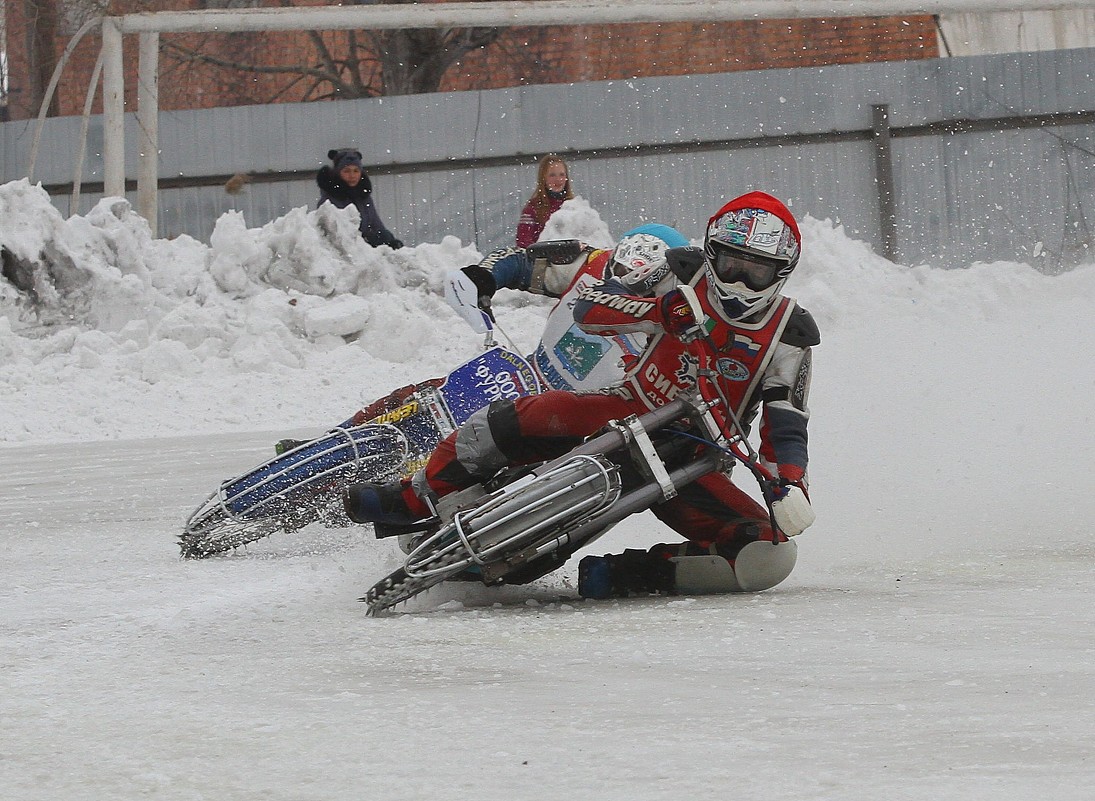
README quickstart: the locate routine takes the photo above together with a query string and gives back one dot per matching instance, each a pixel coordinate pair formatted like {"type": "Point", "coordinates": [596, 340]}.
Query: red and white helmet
{"type": "Point", "coordinates": [751, 248]}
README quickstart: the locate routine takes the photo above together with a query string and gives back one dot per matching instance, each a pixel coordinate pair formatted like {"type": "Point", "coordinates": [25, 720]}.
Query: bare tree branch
{"type": "Point", "coordinates": [361, 64]}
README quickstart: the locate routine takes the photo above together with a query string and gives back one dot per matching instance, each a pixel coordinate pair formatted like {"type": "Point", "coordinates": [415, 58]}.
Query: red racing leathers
{"type": "Point", "coordinates": [765, 364]}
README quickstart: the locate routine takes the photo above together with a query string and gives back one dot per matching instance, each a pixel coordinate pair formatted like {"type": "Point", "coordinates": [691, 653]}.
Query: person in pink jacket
{"type": "Point", "coordinates": [552, 190]}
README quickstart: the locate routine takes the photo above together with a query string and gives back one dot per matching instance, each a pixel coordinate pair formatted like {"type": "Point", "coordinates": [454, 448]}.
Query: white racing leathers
{"type": "Point", "coordinates": [567, 357]}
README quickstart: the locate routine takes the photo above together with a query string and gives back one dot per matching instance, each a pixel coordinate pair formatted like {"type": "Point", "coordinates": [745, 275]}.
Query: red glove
{"type": "Point", "coordinates": [675, 316]}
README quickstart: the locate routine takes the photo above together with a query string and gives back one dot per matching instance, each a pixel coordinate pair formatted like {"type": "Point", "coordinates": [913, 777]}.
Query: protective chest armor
{"type": "Point", "coordinates": [666, 368]}
{"type": "Point", "coordinates": [567, 357]}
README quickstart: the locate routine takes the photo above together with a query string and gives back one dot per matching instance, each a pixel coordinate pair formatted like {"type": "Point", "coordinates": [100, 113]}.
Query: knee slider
{"type": "Point", "coordinates": [759, 566]}
{"type": "Point", "coordinates": [762, 564]}
{"type": "Point", "coordinates": [703, 575]}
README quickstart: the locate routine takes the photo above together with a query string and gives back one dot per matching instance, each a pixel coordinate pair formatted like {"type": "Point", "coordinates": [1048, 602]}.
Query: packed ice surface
{"type": "Point", "coordinates": [935, 640]}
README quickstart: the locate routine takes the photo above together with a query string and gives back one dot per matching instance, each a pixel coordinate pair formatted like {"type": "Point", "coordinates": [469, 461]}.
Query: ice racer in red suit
{"type": "Point", "coordinates": [764, 345]}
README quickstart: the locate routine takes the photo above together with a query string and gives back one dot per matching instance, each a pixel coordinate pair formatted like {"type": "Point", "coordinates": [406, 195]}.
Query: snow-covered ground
{"type": "Point", "coordinates": [936, 641]}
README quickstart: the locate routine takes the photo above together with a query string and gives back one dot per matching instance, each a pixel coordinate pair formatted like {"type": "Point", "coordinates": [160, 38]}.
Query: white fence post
{"type": "Point", "coordinates": [113, 110]}
{"type": "Point", "coordinates": [148, 116]}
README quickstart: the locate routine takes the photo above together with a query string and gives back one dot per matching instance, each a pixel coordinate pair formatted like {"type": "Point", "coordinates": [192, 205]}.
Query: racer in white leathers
{"type": "Point", "coordinates": [763, 339]}
{"type": "Point", "coordinates": [566, 357]}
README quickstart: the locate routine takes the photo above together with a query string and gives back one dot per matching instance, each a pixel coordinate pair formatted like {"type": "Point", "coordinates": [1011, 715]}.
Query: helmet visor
{"type": "Point", "coordinates": [734, 266]}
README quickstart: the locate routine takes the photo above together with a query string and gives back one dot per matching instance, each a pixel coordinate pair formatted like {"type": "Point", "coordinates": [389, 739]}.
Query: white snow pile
{"type": "Point", "coordinates": [106, 332]}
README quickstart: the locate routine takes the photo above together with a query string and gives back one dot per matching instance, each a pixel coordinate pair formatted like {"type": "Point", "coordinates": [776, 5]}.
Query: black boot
{"type": "Point", "coordinates": [384, 507]}
{"type": "Point", "coordinates": [369, 502]}
{"type": "Point", "coordinates": [620, 575]}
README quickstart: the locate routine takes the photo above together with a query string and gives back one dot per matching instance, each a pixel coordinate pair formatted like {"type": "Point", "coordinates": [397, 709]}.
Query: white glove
{"type": "Point", "coordinates": [793, 512]}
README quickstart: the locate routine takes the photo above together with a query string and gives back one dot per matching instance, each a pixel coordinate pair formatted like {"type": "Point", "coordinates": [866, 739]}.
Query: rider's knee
{"type": "Point", "coordinates": [480, 443]}
{"type": "Point", "coordinates": [763, 564]}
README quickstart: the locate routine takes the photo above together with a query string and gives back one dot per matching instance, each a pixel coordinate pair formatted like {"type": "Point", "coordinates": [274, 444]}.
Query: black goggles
{"type": "Point", "coordinates": [736, 266]}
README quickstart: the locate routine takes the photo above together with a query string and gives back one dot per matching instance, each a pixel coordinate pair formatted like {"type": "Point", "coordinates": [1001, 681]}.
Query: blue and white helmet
{"type": "Point", "coordinates": [639, 261]}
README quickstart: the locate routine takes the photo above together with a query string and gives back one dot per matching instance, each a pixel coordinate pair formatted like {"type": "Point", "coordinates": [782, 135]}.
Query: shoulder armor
{"type": "Point", "coordinates": [801, 330]}
{"type": "Point", "coordinates": [685, 262]}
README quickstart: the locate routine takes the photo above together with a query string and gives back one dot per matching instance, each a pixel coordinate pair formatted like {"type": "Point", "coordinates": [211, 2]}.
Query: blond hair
{"type": "Point", "coordinates": [541, 201]}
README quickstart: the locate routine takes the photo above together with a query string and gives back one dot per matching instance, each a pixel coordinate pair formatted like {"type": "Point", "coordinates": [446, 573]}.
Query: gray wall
{"type": "Point", "coordinates": [667, 149]}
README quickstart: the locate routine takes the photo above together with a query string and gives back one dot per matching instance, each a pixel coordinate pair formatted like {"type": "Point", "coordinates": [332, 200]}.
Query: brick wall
{"type": "Point", "coordinates": [520, 56]}
{"type": "Point", "coordinates": [609, 52]}
{"type": "Point", "coordinates": [182, 84]}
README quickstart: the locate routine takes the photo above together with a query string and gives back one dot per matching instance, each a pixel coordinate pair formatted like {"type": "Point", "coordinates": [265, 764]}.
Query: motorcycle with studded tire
{"type": "Point", "coordinates": [526, 521]}
{"type": "Point", "coordinates": [304, 484]}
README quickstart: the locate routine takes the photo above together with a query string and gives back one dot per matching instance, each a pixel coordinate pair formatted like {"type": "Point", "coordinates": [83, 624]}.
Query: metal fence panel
{"type": "Point", "coordinates": [670, 149]}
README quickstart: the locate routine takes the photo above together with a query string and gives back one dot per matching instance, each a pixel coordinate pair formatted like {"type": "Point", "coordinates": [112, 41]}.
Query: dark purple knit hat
{"type": "Point", "coordinates": [345, 158]}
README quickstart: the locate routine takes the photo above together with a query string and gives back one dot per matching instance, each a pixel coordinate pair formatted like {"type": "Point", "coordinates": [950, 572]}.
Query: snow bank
{"type": "Point", "coordinates": [106, 332]}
